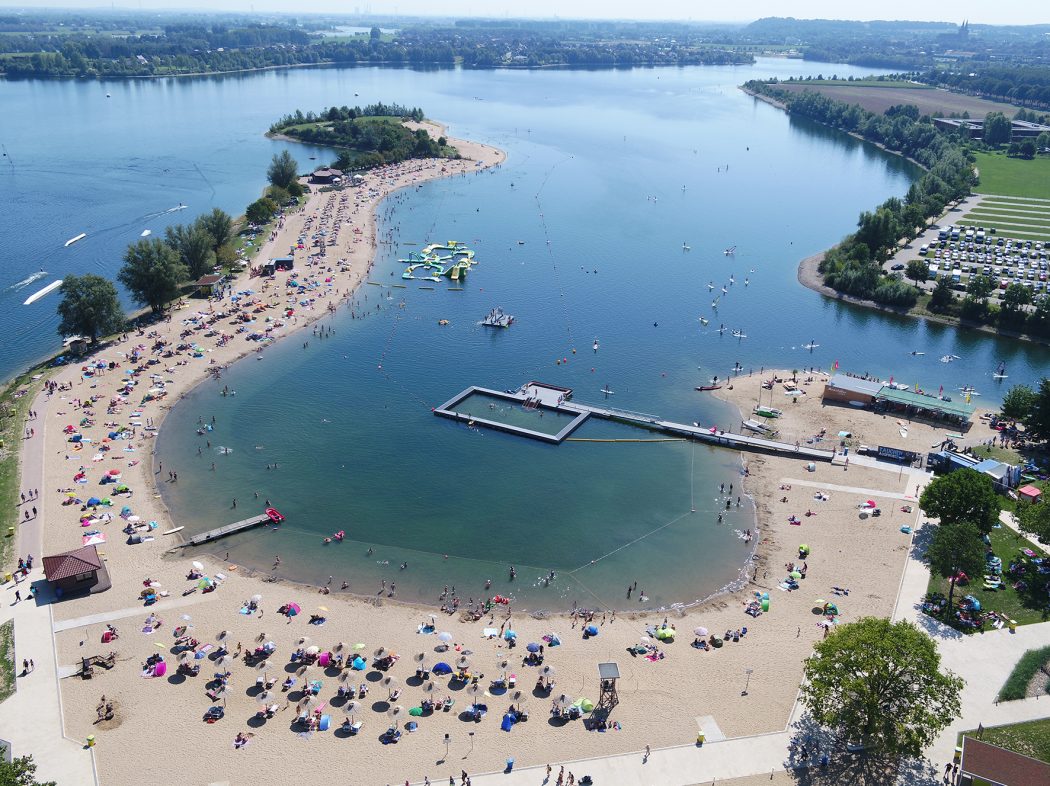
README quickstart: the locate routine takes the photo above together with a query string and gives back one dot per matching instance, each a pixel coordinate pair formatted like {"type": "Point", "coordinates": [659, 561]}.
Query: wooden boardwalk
{"type": "Point", "coordinates": [222, 532]}
{"type": "Point", "coordinates": [549, 398]}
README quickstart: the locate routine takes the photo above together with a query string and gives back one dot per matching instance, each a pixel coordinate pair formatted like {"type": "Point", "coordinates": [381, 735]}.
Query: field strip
{"type": "Point", "coordinates": [1016, 220]}
{"type": "Point", "coordinates": [1005, 197]}
{"type": "Point", "coordinates": [1008, 208]}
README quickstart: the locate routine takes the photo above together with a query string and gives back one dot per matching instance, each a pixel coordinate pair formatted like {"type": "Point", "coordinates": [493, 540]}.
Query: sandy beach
{"type": "Point", "coordinates": [667, 692]}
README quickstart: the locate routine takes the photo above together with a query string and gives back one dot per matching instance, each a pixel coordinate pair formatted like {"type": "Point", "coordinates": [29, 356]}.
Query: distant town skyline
{"type": "Point", "coordinates": [1008, 12]}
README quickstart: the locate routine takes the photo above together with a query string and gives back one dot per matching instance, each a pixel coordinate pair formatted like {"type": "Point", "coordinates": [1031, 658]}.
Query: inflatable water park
{"type": "Point", "coordinates": [451, 260]}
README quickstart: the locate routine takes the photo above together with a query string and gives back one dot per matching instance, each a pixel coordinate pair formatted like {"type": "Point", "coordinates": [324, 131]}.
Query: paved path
{"type": "Point", "coordinates": [133, 611]}
{"type": "Point", "coordinates": [863, 492]}
{"type": "Point", "coordinates": [37, 694]}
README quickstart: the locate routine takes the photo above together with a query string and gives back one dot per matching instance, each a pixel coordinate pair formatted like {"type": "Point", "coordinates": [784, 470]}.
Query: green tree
{"type": "Point", "coordinates": [918, 271]}
{"type": "Point", "coordinates": [941, 298]}
{"type": "Point", "coordinates": [953, 550]}
{"type": "Point", "coordinates": [980, 287]}
{"type": "Point", "coordinates": [374, 35]}
{"type": "Point", "coordinates": [219, 225]}
{"type": "Point", "coordinates": [193, 244]}
{"type": "Point", "coordinates": [963, 495]}
{"type": "Point", "coordinates": [1034, 518]}
{"type": "Point", "coordinates": [90, 307]}
{"type": "Point", "coordinates": [1018, 402]}
{"type": "Point", "coordinates": [260, 211]}
{"type": "Point", "coordinates": [996, 128]}
{"type": "Point", "coordinates": [1043, 140]}
{"type": "Point", "coordinates": [283, 170]}
{"type": "Point", "coordinates": [152, 273]}
{"type": "Point", "coordinates": [880, 683]}
{"type": "Point", "coordinates": [1037, 421]}
{"type": "Point", "coordinates": [19, 772]}
{"type": "Point", "coordinates": [1026, 149]}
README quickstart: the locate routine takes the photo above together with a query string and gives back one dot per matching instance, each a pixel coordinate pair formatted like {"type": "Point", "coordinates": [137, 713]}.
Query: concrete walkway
{"type": "Point", "coordinates": [37, 694]}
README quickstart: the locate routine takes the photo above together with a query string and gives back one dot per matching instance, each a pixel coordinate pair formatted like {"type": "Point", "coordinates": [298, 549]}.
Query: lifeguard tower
{"type": "Point", "coordinates": [608, 674]}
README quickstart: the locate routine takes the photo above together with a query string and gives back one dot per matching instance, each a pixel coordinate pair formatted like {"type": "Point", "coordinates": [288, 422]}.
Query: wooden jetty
{"type": "Point", "coordinates": [229, 529]}
{"type": "Point", "coordinates": [538, 394]}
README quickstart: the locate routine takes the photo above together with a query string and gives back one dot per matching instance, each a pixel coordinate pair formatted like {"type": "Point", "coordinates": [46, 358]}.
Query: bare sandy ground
{"type": "Point", "coordinates": [158, 735]}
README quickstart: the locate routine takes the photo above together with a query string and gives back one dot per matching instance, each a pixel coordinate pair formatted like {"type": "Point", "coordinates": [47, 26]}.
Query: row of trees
{"type": "Point", "coordinates": [1020, 83]}
{"type": "Point", "coordinates": [1013, 312]}
{"type": "Point", "coordinates": [854, 265]}
{"type": "Point", "coordinates": [335, 113]}
{"type": "Point", "coordinates": [155, 270]}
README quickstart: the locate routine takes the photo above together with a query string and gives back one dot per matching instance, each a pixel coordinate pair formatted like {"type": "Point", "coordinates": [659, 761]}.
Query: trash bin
{"type": "Point", "coordinates": [8, 576]}
{"type": "Point", "coordinates": [91, 741]}
{"type": "Point", "coordinates": [1012, 625]}
{"type": "Point", "coordinates": [700, 737]}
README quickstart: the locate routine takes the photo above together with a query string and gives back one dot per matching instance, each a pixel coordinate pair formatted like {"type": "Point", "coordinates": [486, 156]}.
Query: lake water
{"type": "Point", "coordinates": [579, 234]}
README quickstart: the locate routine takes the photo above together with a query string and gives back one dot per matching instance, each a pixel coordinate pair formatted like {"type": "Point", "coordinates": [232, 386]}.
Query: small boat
{"type": "Point", "coordinates": [704, 321]}
{"type": "Point", "coordinates": [595, 344]}
{"type": "Point", "coordinates": [768, 412]}
{"type": "Point", "coordinates": [730, 251]}
{"type": "Point", "coordinates": [41, 292]}
{"type": "Point", "coordinates": [917, 353]}
{"type": "Point", "coordinates": [705, 388]}
{"type": "Point", "coordinates": [521, 242]}
{"type": "Point", "coordinates": [73, 240]}
{"type": "Point", "coordinates": [1000, 371]}
{"type": "Point", "coordinates": [755, 426]}
{"type": "Point", "coordinates": [146, 233]}
{"type": "Point", "coordinates": [275, 515]}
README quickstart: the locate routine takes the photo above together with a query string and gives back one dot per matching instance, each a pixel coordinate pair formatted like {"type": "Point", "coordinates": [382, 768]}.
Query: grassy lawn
{"type": "Point", "coordinates": [1029, 665]}
{"type": "Point", "coordinates": [1026, 607]}
{"type": "Point", "coordinates": [999, 454]}
{"type": "Point", "coordinates": [13, 410]}
{"type": "Point", "coordinates": [1028, 739]}
{"type": "Point", "coordinates": [998, 219]}
{"type": "Point", "coordinates": [869, 83]}
{"type": "Point", "coordinates": [1035, 209]}
{"type": "Point", "coordinates": [1013, 176]}
{"type": "Point", "coordinates": [7, 659]}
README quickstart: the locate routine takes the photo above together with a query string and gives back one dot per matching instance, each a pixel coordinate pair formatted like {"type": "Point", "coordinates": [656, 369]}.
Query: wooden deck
{"type": "Point", "coordinates": [551, 399]}
{"type": "Point", "coordinates": [222, 532]}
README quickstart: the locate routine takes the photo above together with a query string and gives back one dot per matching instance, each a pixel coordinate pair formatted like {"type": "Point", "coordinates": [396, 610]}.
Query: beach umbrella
{"type": "Point", "coordinates": [564, 700]}
{"type": "Point", "coordinates": [303, 641]}
{"type": "Point", "coordinates": [293, 609]}
{"type": "Point", "coordinates": [474, 690]}
{"type": "Point", "coordinates": [419, 657]}
{"type": "Point", "coordinates": [442, 668]}
{"type": "Point", "coordinates": [700, 631]}
{"type": "Point", "coordinates": [339, 647]}
{"type": "Point", "coordinates": [222, 635]}
{"type": "Point", "coordinates": [197, 565]}
{"type": "Point", "coordinates": [262, 665]}
{"type": "Point", "coordinates": [381, 652]}
{"type": "Point", "coordinates": [184, 656]}
{"type": "Point", "coordinates": [445, 637]}
{"type": "Point", "coordinates": [586, 705]}
{"type": "Point", "coordinates": [359, 646]}
{"type": "Point", "coordinates": [429, 687]}
{"type": "Point", "coordinates": [301, 671]}
{"type": "Point", "coordinates": [390, 682]}
{"type": "Point", "coordinates": [225, 660]}
{"type": "Point", "coordinates": [344, 677]}
{"type": "Point", "coordinates": [358, 664]}
{"type": "Point", "coordinates": [352, 707]}
{"type": "Point", "coordinates": [519, 697]}
{"type": "Point", "coordinates": [307, 703]}
{"type": "Point", "coordinates": [396, 713]}
{"type": "Point", "coordinates": [795, 574]}
{"type": "Point", "coordinates": [313, 650]}
{"type": "Point", "coordinates": [322, 608]}
{"type": "Point", "coordinates": [532, 647]}
{"type": "Point", "coordinates": [264, 697]}
{"type": "Point", "coordinates": [502, 663]}
{"type": "Point", "coordinates": [547, 671]}
{"type": "Point", "coordinates": [94, 501]}
{"type": "Point", "coordinates": [819, 602]}
{"type": "Point", "coordinates": [415, 712]}
{"type": "Point", "coordinates": [257, 598]}
{"type": "Point", "coordinates": [510, 635]}
{"type": "Point", "coordinates": [204, 583]}
{"type": "Point", "coordinates": [462, 662]}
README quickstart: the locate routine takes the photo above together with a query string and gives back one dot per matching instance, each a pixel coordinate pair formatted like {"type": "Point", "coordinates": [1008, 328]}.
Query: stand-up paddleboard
{"type": "Point", "coordinates": [73, 240]}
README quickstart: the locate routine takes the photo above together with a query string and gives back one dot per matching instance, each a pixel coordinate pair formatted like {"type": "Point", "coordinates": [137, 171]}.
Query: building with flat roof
{"type": "Point", "coordinates": [925, 405]}
{"type": "Point", "coordinates": [999, 766]}
{"type": "Point", "coordinates": [1019, 129]}
{"type": "Point", "coordinates": [845, 389]}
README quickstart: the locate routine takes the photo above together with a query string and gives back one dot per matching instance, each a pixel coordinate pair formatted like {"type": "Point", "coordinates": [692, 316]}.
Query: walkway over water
{"type": "Point", "coordinates": [541, 396]}
{"type": "Point", "coordinates": [222, 532]}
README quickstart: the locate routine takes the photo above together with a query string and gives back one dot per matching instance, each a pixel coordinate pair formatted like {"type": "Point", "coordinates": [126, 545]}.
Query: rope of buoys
{"type": "Point", "coordinates": [667, 439]}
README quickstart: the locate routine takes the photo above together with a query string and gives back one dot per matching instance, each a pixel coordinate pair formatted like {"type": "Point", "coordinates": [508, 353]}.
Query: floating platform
{"type": "Point", "coordinates": [229, 529]}
{"type": "Point", "coordinates": [539, 395]}
{"type": "Point", "coordinates": [496, 318]}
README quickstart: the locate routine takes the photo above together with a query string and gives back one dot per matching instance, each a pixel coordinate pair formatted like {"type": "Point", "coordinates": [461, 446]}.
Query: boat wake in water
{"type": "Point", "coordinates": [25, 282]}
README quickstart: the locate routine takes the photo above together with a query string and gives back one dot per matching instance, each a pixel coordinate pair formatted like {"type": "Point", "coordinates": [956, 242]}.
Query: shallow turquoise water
{"type": "Point", "coordinates": [597, 164]}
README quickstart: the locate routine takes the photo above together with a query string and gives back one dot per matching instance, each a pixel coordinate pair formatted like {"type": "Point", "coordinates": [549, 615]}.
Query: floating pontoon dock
{"type": "Point", "coordinates": [229, 529]}
{"type": "Point", "coordinates": [540, 395]}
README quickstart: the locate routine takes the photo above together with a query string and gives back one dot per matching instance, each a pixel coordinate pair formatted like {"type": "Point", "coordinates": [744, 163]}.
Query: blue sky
{"type": "Point", "coordinates": [982, 11]}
